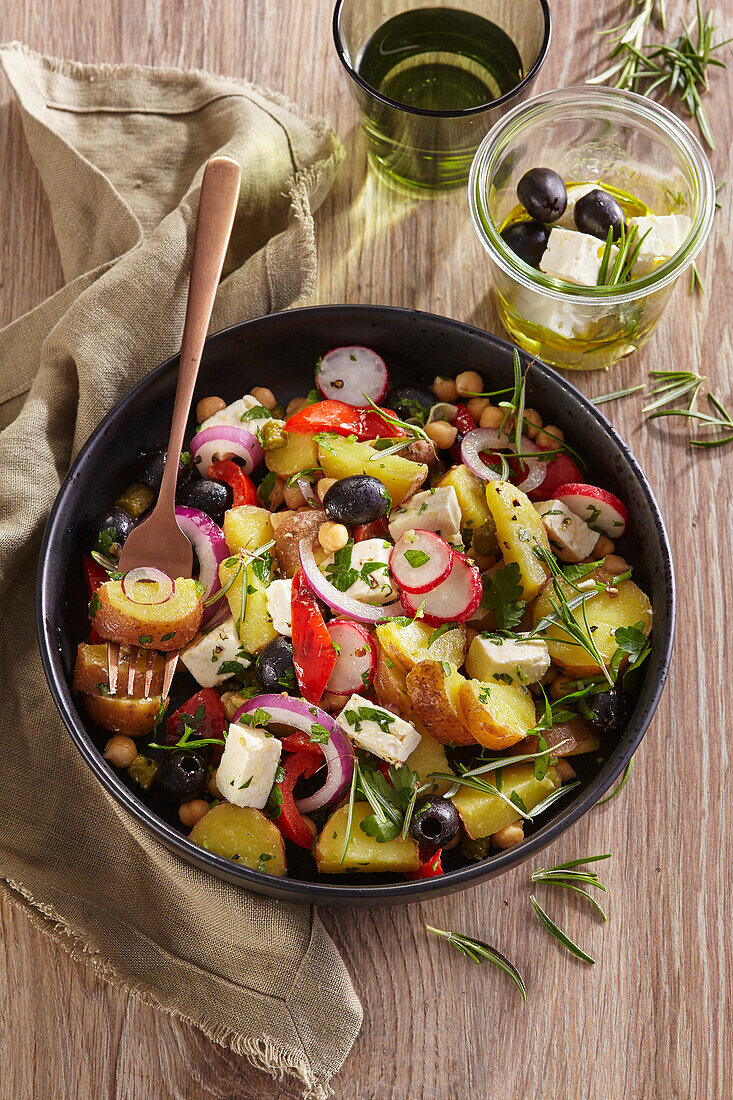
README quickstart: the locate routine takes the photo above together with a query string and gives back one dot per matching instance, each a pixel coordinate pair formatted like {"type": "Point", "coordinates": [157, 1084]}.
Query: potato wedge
{"type": "Point", "coordinates": [340, 457]}
{"type": "Point", "coordinates": [247, 528]}
{"type": "Point", "coordinates": [573, 738]}
{"type": "Point", "coordinates": [390, 687]}
{"type": "Point", "coordinates": [123, 714]}
{"type": "Point", "coordinates": [91, 674]}
{"type": "Point", "coordinates": [164, 626]}
{"type": "Point", "coordinates": [606, 613]}
{"type": "Point", "coordinates": [364, 853]}
{"type": "Point", "coordinates": [475, 514]}
{"type": "Point", "coordinates": [483, 814]}
{"type": "Point", "coordinates": [255, 628]}
{"type": "Point", "coordinates": [429, 756]}
{"type": "Point", "coordinates": [299, 453]}
{"type": "Point", "coordinates": [243, 835]}
{"type": "Point", "coordinates": [407, 645]}
{"type": "Point", "coordinates": [498, 715]}
{"type": "Point", "coordinates": [434, 693]}
{"type": "Point", "coordinates": [298, 525]}
{"type": "Point", "coordinates": [519, 529]}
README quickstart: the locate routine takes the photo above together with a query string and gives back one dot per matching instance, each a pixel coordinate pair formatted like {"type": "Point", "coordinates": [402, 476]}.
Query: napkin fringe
{"type": "Point", "coordinates": [262, 1053]}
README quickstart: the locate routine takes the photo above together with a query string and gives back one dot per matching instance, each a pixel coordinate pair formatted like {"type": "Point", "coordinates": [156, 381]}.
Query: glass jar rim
{"type": "Point", "coordinates": [468, 112]}
{"type": "Point", "coordinates": [498, 139]}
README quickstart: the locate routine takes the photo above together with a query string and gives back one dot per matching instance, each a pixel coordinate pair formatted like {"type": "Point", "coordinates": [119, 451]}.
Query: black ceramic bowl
{"type": "Point", "coordinates": [280, 351]}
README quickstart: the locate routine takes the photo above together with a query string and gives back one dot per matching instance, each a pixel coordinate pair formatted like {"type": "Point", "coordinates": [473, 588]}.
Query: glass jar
{"type": "Point", "coordinates": [611, 138]}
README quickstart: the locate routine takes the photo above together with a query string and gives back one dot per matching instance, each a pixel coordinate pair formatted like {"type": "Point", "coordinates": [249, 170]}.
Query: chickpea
{"type": "Point", "coordinates": [332, 536]}
{"type": "Point", "coordinates": [534, 422]}
{"type": "Point", "coordinates": [295, 406]}
{"type": "Point", "coordinates": [293, 496]}
{"type": "Point", "coordinates": [193, 811]}
{"type": "Point", "coordinates": [492, 417]}
{"type": "Point", "coordinates": [476, 406]}
{"type": "Point", "coordinates": [264, 397]}
{"type": "Point", "coordinates": [120, 751]}
{"type": "Point", "coordinates": [323, 486]}
{"type": "Point", "coordinates": [616, 565]}
{"type": "Point", "coordinates": [468, 382]}
{"type": "Point", "coordinates": [442, 434]}
{"type": "Point", "coordinates": [211, 786]}
{"type": "Point", "coordinates": [207, 406]}
{"type": "Point", "coordinates": [445, 389]}
{"type": "Point", "coordinates": [565, 770]}
{"type": "Point", "coordinates": [604, 547]}
{"type": "Point", "coordinates": [509, 835]}
{"type": "Point", "coordinates": [549, 437]}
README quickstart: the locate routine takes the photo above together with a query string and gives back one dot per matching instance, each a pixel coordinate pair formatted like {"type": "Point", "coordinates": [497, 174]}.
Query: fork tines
{"type": "Point", "coordinates": [113, 668]}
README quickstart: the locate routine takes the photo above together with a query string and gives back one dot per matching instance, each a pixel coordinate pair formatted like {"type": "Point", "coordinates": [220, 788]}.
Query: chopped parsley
{"type": "Point", "coordinates": [503, 595]}
{"type": "Point", "coordinates": [257, 412]}
{"type": "Point", "coordinates": [416, 558]}
{"type": "Point", "coordinates": [370, 714]}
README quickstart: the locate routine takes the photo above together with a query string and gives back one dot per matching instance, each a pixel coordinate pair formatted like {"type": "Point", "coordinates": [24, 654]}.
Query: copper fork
{"type": "Point", "coordinates": [159, 542]}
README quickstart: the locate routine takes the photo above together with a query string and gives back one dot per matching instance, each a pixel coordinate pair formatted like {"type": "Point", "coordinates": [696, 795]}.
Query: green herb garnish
{"type": "Point", "coordinates": [503, 595]}
{"type": "Point", "coordinates": [480, 952]}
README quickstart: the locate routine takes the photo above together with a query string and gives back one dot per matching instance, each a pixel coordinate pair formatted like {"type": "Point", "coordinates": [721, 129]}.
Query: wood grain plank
{"type": "Point", "coordinates": [648, 1020]}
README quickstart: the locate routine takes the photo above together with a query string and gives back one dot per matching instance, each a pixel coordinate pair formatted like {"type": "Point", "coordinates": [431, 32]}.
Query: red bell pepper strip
{"type": "Point", "coordinates": [290, 821]}
{"type": "Point", "coordinates": [343, 419]}
{"type": "Point", "coordinates": [211, 723]}
{"type": "Point", "coordinates": [464, 422]}
{"type": "Point", "coordinates": [430, 868]}
{"type": "Point", "coordinates": [378, 529]}
{"type": "Point", "coordinates": [242, 487]}
{"type": "Point", "coordinates": [300, 742]}
{"type": "Point", "coordinates": [313, 654]}
{"type": "Point", "coordinates": [95, 576]}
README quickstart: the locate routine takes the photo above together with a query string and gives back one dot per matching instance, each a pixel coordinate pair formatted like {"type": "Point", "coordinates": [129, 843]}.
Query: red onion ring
{"type": "Point", "coordinates": [339, 601]}
{"type": "Point", "coordinates": [147, 574]}
{"type": "Point", "coordinates": [338, 750]}
{"type": "Point", "coordinates": [226, 441]}
{"type": "Point", "coordinates": [211, 550]}
{"type": "Point", "coordinates": [489, 439]}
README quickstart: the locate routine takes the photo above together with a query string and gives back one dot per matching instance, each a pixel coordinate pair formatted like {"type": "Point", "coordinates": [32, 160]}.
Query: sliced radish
{"type": "Point", "coordinates": [420, 560]}
{"type": "Point", "coordinates": [357, 658]}
{"type": "Point", "coordinates": [454, 600]}
{"type": "Point", "coordinates": [348, 374]}
{"type": "Point", "coordinates": [600, 509]}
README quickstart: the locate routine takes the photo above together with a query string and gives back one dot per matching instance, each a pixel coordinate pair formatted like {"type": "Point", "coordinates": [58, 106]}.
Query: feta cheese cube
{"type": "Point", "coordinates": [378, 730]}
{"type": "Point", "coordinates": [248, 765]}
{"type": "Point", "coordinates": [572, 536]}
{"type": "Point", "coordinates": [664, 236]}
{"type": "Point", "coordinates": [523, 662]}
{"type": "Point", "coordinates": [205, 655]}
{"type": "Point", "coordinates": [370, 560]}
{"type": "Point", "coordinates": [277, 597]}
{"type": "Point", "coordinates": [431, 510]}
{"type": "Point", "coordinates": [574, 257]}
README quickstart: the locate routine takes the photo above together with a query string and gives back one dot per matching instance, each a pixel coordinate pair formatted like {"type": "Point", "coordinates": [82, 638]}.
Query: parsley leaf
{"type": "Point", "coordinates": [416, 558]}
{"type": "Point", "coordinates": [340, 572]}
{"type": "Point", "coordinates": [257, 412]}
{"type": "Point", "coordinates": [503, 596]}
{"type": "Point", "coordinates": [630, 641]}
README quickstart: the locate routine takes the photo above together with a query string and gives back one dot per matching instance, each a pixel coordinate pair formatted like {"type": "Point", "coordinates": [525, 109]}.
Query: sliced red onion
{"type": "Point", "coordinates": [338, 750]}
{"type": "Point", "coordinates": [306, 487]}
{"type": "Point", "coordinates": [226, 441]}
{"type": "Point", "coordinates": [489, 439]}
{"type": "Point", "coordinates": [211, 550]}
{"type": "Point", "coordinates": [147, 574]}
{"type": "Point", "coordinates": [443, 410]}
{"type": "Point", "coordinates": [339, 601]}
{"type": "Point", "coordinates": [352, 374]}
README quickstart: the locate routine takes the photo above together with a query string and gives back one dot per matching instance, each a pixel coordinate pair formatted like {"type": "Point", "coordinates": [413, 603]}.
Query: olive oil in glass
{"type": "Point", "coordinates": [432, 61]}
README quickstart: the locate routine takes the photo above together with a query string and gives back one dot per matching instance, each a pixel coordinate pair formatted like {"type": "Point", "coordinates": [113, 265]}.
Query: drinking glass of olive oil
{"type": "Point", "coordinates": [430, 81]}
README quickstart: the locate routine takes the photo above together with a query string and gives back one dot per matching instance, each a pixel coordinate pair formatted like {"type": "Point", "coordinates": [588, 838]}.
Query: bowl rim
{"type": "Point", "coordinates": [301, 890]}
{"type": "Point", "coordinates": [425, 112]}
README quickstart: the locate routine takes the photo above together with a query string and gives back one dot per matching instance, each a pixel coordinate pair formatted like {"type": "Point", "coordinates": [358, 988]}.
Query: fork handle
{"type": "Point", "coordinates": [217, 206]}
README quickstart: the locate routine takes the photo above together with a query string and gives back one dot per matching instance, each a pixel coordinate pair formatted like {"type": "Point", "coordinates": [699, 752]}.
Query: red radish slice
{"type": "Point", "coordinates": [357, 658]}
{"type": "Point", "coordinates": [348, 374]}
{"type": "Point", "coordinates": [420, 560]}
{"type": "Point", "coordinates": [600, 509]}
{"type": "Point", "coordinates": [225, 441]}
{"type": "Point", "coordinates": [454, 600]}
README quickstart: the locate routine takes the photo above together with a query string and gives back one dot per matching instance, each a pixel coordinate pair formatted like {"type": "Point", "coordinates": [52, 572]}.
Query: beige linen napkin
{"type": "Point", "coordinates": [120, 151]}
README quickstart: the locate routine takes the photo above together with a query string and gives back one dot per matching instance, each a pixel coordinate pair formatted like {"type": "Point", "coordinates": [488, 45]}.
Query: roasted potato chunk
{"type": "Point", "coordinates": [571, 738]}
{"type": "Point", "coordinates": [165, 626]}
{"type": "Point", "coordinates": [91, 674]}
{"type": "Point", "coordinates": [407, 645]}
{"type": "Point", "coordinates": [341, 457]}
{"type": "Point", "coordinates": [519, 529]}
{"type": "Point", "coordinates": [434, 693]}
{"type": "Point", "coordinates": [289, 531]}
{"type": "Point", "coordinates": [255, 628]}
{"type": "Point", "coordinates": [429, 756]}
{"type": "Point", "coordinates": [299, 453]}
{"type": "Point", "coordinates": [242, 834]}
{"type": "Point", "coordinates": [363, 853]}
{"type": "Point", "coordinates": [498, 715]}
{"type": "Point", "coordinates": [247, 528]}
{"type": "Point", "coordinates": [390, 687]}
{"type": "Point", "coordinates": [483, 813]}
{"type": "Point", "coordinates": [123, 714]}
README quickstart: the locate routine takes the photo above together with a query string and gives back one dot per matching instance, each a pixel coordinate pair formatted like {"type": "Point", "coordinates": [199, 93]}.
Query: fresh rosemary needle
{"type": "Point", "coordinates": [480, 952]}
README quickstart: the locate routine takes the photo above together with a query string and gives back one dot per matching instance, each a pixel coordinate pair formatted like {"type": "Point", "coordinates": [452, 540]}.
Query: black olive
{"type": "Point", "coordinates": [528, 240]}
{"type": "Point", "coordinates": [212, 497]}
{"type": "Point", "coordinates": [153, 462]}
{"type": "Point", "coordinates": [410, 402]}
{"type": "Point", "coordinates": [435, 823]}
{"type": "Point", "coordinates": [607, 711]}
{"type": "Point", "coordinates": [598, 211]}
{"type": "Point", "coordinates": [542, 194]}
{"type": "Point", "coordinates": [114, 525]}
{"type": "Point", "coordinates": [182, 775]}
{"type": "Point", "coordinates": [358, 499]}
{"type": "Point", "coordinates": [274, 669]}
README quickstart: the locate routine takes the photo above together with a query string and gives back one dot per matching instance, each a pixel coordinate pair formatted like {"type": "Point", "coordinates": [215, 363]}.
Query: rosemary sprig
{"type": "Point", "coordinates": [395, 421]}
{"type": "Point", "coordinates": [480, 952]}
{"type": "Point", "coordinates": [622, 784]}
{"type": "Point", "coordinates": [724, 422]}
{"type": "Point", "coordinates": [558, 933]}
{"type": "Point", "coordinates": [564, 875]}
{"type": "Point", "coordinates": [350, 814]}
{"type": "Point", "coordinates": [673, 384]}
{"type": "Point", "coordinates": [603, 398]}
{"type": "Point", "coordinates": [492, 765]}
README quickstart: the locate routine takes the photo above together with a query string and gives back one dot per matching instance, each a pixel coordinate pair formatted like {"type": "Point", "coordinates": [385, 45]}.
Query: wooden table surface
{"type": "Point", "coordinates": [648, 1019]}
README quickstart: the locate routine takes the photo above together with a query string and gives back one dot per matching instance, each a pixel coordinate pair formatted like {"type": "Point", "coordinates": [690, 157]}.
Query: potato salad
{"type": "Point", "coordinates": [411, 631]}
